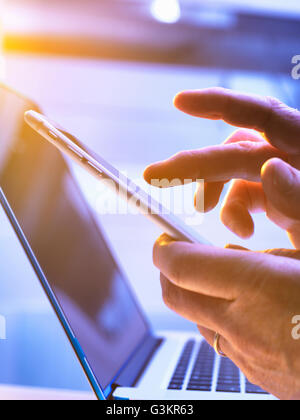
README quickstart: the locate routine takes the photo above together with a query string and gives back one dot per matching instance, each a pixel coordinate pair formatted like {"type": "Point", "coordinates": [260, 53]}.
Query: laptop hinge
{"type": "Point", "coordinates": [134, 369]}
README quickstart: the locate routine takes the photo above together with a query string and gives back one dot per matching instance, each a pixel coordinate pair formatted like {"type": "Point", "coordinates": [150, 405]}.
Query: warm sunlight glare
{"type": "Point", "coordinates": [2, 69]}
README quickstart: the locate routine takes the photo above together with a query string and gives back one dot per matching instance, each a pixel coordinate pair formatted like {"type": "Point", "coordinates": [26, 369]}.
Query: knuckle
{"type": "Point", "coordinates": [242, 134]}
{"type": "Point", "coordinates": [276, 108]}
{"type": "Point", "coordinates": [246, 146]}
{"type": "Point", "coordinates": [275, 104]}
{"type": "Point", "coordinates": [247, 155]}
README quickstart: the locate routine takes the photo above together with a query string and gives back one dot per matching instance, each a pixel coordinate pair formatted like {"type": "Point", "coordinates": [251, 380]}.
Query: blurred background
{"type": "Point", "coordinates": [108, 70]}
{"type": "Point", "coordinates": [248, 34]}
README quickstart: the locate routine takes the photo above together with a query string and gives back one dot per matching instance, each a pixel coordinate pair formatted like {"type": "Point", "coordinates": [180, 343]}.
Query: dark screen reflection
{"type": "Point", "coordinates": [69, 247]}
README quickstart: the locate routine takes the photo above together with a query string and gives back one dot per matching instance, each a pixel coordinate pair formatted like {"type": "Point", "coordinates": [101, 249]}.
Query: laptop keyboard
{"type": "Point", "coordinates": [202, 374]}
{"type": "Point", "coordinates": [229, 378]}
{"type": "Point", "coordinates": [182, 367]}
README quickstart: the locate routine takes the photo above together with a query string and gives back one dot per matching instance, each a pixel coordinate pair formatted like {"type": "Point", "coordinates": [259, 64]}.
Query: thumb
{"type": "Point", "coordinates": [281, 183]}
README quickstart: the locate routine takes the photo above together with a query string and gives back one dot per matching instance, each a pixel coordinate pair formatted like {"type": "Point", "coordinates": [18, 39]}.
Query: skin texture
{"type": "Point", "coordinates": [250, 298]}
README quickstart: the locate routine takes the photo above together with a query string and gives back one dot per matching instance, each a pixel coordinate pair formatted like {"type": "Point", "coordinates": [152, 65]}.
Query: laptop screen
{"type": "Point", "coordinates": [34, 350]}
{"type": "Point", "coordinates": [69, 245]}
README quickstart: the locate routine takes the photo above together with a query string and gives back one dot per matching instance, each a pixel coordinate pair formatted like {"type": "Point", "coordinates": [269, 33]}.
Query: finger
{"type": "Point", "coordinates": [242, 160]}
{"type": "Point", "coordinates": [243, 199]}
{"type": "Point", "coordinates": [213, 190]}
{"type": "Point", "coordinates": [207, 334]}
{"type": "Point", "coordinates": [236, 247]}
{"type": "Point", "coordinates": [212, 194]}
{"type": "Point", "coordinates": [209, 312]}
{"type": "Point", "coordinates": [281, 183]}
{"type": "Point", "coordinates": [210, 336]}
{"type": "Point", "coordinates": [280, 123]}
{"type": "Point", "coordinates": [195, 307]}
{"type": "Point", "coordinates": [224, 345]}
{"type": "Point", "coordinates": [209, 270]}
{"type": "Point", "coordinates": [286, 253]}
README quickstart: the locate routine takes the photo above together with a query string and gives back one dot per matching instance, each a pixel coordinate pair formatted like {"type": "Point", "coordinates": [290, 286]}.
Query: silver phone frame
{"type": "Point", "coordinates": [125, 188]}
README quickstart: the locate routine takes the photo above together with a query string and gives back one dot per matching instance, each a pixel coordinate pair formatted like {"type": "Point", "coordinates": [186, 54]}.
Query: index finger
{"type": "Point", "coordinates": [279, 123]}
{"type": "Point", "coordinates": [222, 163]}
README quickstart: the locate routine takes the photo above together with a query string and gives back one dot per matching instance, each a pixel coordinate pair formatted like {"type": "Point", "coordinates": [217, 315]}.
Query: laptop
{"type": "Point", "coordinates": [121, 356]}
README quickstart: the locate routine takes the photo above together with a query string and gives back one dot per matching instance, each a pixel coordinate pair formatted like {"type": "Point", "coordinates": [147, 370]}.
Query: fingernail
{"type": "Point", "coordinates": [284, 178]}
{"type": "Point", "coordinates": [236, 247]}
{"type": "Point", "coordinates": [165, 240]}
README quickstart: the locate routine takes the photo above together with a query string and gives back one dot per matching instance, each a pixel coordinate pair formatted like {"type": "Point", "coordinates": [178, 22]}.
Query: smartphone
{"type": "Point", "coordinates": [115, 180]}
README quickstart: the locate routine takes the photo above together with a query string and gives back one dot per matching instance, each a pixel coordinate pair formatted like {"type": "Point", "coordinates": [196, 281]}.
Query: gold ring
{"type": "Point", "coordinates": [217, 346]}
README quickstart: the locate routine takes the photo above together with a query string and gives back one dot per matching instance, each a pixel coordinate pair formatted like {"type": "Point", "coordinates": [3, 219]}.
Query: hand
{"type": "Point", "coordinates": [264, 181]}
{"type": "Point", "coordinates": [249, 298]}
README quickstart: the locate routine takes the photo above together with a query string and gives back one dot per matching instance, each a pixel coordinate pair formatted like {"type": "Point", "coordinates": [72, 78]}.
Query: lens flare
{"type": "Point", "coordinates": [166, 11]}
{"type": "Point", "coordinates": [2, 64]}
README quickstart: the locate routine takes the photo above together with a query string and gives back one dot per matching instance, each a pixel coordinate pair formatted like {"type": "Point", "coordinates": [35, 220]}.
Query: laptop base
{"type": "Point", "coordinates": [188, 360]}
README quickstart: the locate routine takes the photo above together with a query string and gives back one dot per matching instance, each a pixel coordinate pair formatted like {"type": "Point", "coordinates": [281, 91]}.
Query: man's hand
{"type": "Point", "coordinates": [258, 161]}
{"type": "Point", "coordinates": [250, 298]}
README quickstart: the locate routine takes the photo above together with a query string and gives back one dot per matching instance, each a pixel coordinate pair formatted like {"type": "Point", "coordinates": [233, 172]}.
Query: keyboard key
{"type": "Point", "coordinates": [229, 388]}
{"type": "Point", "coordinates": [229, 382]}
{"type": "Point", "coordinates": [254, 389]}
{"type": "Point", "coordinates": [177, 380]}
{"type": "Point", "coordinates": [206, 384]}
{"type": "Point", "coordinates": [229, 377]}
{"type": "Point", "coordinates": [202, 374]}
{"type": "Point", "coordinates": [203, 388]}
{"type": "Point", "coordinates": [175, 387]}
